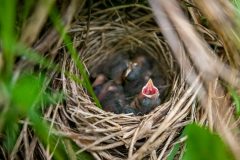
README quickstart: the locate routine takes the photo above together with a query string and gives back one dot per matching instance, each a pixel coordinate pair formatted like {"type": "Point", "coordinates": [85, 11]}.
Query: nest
{"type": "Point", "coordinates": [120, 136]}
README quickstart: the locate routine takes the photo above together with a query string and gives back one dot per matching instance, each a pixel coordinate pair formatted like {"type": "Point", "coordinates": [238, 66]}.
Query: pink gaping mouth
{"type": "Point", "coordinates": [149, 89]}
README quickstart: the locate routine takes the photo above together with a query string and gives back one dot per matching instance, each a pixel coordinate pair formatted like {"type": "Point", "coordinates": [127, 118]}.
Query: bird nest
{"type": "Point", "coordinates": [122, 136]}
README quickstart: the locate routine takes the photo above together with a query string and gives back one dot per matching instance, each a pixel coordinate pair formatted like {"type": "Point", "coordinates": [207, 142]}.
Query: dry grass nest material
{"type": "Point", "coordinates": [119, 136]}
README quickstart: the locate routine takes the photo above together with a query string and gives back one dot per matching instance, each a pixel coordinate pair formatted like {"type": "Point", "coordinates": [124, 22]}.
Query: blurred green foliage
{"type": "Point", "coordinates": [203, 144]}
{"type": "Point", "coordinates": [7, 34]}
{"type": "Point", "coordinates": [23, 93]}
{"type": "Point", "coordinates": [236, 3]}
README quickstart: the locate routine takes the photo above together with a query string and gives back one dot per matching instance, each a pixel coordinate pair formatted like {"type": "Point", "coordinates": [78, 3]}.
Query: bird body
{"type": "Point", "coordinates": [159, 80]}
{"type": "Point", "coordinates": [113, 99]}
{"type": "Point", "coordinates": [137, 68]}
{"type": "Point", "coordinates": [126, 86]}
{"type": "Point", "coordinates": [136, 75]}
{"type": "Point", "coordinates": [99, 83]}
{"type": "Point", "coordinates": [116, 66]}
{"type": "Point", "coordinates": [128, 109]}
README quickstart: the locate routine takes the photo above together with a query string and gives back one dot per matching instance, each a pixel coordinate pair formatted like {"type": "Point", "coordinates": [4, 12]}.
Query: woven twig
{"type": "Point", "coordinates": [119, 136]}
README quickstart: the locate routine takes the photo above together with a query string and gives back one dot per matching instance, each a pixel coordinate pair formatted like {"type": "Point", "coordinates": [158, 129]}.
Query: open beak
{"type": "Point", "coordinates": [149, 89]}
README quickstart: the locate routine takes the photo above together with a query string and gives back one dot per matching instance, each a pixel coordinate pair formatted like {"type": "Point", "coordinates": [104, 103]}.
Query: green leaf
{"type": "Point", "coordinates": [204, 145]}
{"type": "Point", "coordinates": [26, 92]}
{"type": "Point", "coordinates": [236, 4]}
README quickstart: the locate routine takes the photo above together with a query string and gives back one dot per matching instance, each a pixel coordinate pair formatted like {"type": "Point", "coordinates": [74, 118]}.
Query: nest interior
{"type": "Point", "coordinates": [107, 135]}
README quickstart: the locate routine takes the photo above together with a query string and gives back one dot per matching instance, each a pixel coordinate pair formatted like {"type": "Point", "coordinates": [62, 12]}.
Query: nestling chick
{"type": "Point", "coordinates": [112, 97]}
{"type": "Point", "coordinates": [128, 109]}
{"type": "Point", "coordinates": [159, 80]}
{"type": "Point", "coordinates": [99, 83]}
{"type": "Point", "coordinates": [136, 75]}
{"type": "Point", "coordinates": [115, 66]}
{"type": "Point", "coordinates": [138, 65]}
{"type": "Point", "coordinates": [148, 98]}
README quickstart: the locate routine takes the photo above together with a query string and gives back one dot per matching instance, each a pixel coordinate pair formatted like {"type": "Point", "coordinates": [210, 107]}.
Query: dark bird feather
{"type": "Point", "coordinates": [99, 83]}
{"type": "Point", "coordinates": [113, 100]}
{"type": "Point", "coordinates": [115, 66]}
{"type": "Point", "coordinates": [159, 80]}
{"type": "Point", "coordinates": [136, 75]}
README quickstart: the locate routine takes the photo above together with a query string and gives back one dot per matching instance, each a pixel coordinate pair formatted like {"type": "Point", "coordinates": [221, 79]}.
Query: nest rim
{"type": "Point", "coordinates": [81, 117]}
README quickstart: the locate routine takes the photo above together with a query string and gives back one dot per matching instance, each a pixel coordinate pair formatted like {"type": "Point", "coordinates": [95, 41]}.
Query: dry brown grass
{"type": "Point", "coordinates": [107, 135]}
{"type": "Point", "coordinates": [181, 34]}
{"type": "Point", "coordinates": [194, 72]}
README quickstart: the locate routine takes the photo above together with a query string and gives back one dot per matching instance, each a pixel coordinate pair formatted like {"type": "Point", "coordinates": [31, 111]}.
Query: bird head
{"type": "Point", "coordinates": [149, 90]}
{"type": "Point", "coordinates": [132, 71]}
{"type": "Point", "coordinates": [148, 99]}
{"type": "Point", "coordinates": [100, 79]}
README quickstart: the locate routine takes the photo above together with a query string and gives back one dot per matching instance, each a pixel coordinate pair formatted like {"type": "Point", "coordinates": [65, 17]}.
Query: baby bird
{"type": "Point", "coordinates": [148, 98]}
{"type": "Point", "coordinates": [138, 65]}
{"type": "Point", "coordinates": [159, 80]}
{"type": "Point", "coordinates": [112, 98]}
{"type": "Point", "coordinates": [99, 83]}
{"type": "Point", "coordinates": [115, 66]}
{"type": "Point", "coordinates": [136, 75]}
{"type": "Point", "coordinates": [128, 109]}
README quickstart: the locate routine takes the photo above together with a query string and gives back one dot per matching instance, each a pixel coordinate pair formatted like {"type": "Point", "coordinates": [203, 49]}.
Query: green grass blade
{"type": "Point", "coordinates": [175, 149]}
{"type": "Point", "coordinates": [42, 131]}
{"type": "Point", "coordinates": [86, 82]}
{"type": "Point", "coordinates": [7, 35]}
{"type": "Point", "coordinates": [11, 129]}
{"type": "Point", "coordinates": [173, 152]}
{"type": "Point", "coordinates": [236, 100]}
